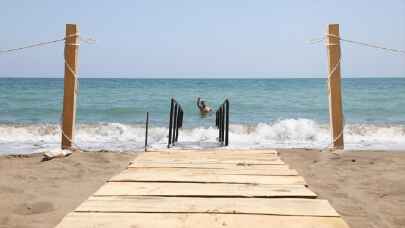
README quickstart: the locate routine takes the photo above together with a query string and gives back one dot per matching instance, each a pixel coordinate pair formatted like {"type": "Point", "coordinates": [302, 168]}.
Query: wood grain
{"type": "Point", "coordinates": [171, 220]}
{"type": "Point", "coordinates": [199, 190]}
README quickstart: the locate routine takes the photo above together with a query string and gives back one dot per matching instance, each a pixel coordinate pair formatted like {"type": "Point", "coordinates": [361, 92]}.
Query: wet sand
{"type": "Point", "coordinates": [366, 187]}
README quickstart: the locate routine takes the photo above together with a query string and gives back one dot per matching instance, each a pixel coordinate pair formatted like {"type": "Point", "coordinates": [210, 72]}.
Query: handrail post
{"type": "Point", "coordinates": [181, 118]}
{"type": "Point", "coordinates": [222, 124]}
{"type": "Point", "coordinates": [216, 118]}
{"type": "Point", "coordinates": [170, 123]}
{"type": "Point", "coordinates": [178, 123]}
{"type": "Point", "coordinates": [217, 121]}
{"type": "Point", "coordinates": [176, 109]}
{"type": "Point", "coordinates": [227, 123]}
{"type": "Point", "coordinates": [146, 130]}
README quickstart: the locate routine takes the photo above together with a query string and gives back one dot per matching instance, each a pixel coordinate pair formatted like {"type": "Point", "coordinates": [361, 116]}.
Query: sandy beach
{"type": "Point", "coordinates": [202, 76]}
{"type": "Point", "coordinates": [39, 194]}
{"type": "Point", "coordinates": [366, 187]}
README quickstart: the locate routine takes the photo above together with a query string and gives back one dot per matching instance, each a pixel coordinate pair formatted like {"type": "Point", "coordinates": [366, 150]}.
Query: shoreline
{"type": "Point", "coordinates": [366, 187]}
{"type": "Point", "coordinates": [282, 133]}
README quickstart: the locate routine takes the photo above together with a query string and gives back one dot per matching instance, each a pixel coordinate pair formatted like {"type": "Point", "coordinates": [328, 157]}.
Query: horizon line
{"type": "Point", "coordinates": [208, 77]}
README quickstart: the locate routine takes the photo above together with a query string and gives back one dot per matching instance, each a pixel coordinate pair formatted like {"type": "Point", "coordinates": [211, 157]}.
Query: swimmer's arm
{"type": "Point", "coordinates": [198, 103]}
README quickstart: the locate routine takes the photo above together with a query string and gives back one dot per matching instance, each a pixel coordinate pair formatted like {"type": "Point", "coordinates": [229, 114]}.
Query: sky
{"type": "Point", "coordinates": [202, 38]}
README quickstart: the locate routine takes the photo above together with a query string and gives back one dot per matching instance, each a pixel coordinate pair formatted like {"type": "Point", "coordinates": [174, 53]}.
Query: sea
{"type": "Point", "coordinates": [264, 113]}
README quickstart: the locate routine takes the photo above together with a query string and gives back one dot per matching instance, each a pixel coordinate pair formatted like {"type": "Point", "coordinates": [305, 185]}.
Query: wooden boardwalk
{"type": "Point", "coordinates": [205, 189]}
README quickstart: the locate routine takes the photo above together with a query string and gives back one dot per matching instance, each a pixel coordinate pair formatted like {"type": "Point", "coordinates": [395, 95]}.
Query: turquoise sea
{"type": "Point", "coordinates": [265, 113]}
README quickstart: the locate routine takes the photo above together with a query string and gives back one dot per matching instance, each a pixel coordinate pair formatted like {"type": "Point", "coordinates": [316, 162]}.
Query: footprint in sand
{"type": "Point", "coordinates": [6, 189]}
{"type": "Point", "coordinates": [34, 208]}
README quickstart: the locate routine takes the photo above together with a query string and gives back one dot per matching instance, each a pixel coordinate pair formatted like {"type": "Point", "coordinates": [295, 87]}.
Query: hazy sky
{"type": "Point", "coordinates": [207, 38]}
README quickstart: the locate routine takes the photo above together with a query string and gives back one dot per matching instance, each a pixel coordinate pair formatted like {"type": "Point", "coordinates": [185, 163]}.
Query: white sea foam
{"type": "Point", "coordinates": [287, 133]}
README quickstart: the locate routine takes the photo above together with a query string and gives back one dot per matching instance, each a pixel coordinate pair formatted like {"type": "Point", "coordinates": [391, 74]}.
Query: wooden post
{"type": "Point", "coordinates": [69, 97]}
{"type": "Point", "coordinates": [335, 96]}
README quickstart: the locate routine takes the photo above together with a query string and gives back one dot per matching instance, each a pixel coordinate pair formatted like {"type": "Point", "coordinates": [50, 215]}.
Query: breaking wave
{"type": "Point", "coordinates": [287, 133]}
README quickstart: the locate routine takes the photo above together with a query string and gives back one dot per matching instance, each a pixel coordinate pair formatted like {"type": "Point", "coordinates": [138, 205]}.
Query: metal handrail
{"type": "Point", "coordinates": [222, 122]}
{"type": "Point", "coordinates": [175, 122]}
{"type": "Point", "coordinates": [146, 131]}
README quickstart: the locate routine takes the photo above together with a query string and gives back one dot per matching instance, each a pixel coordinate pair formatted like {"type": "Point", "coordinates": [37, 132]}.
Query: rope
{"type": "Point", "coordinates": [332, 72]}
{"type": "Point", "coordinates": [330, 145]}
{"type": "Point", "coordinates": [70, 69]}
{"type": "Point", "coordinates": [39, 44]}
{"type": "Point", "coordinates": [318, 40]}
{"type": "Point", "coordinates": [74, 145]}
{"type": "Point", "coordinates": [87, 40]}
{"type": "Point", "coordinates": [367, 44]}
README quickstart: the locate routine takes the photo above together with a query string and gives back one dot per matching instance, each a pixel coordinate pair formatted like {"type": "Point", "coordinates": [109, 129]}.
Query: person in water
{"type": "Point", "coordinates": [203, 106]}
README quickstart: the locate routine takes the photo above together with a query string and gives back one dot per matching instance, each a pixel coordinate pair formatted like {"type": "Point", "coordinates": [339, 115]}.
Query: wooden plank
{"type": "Point", "coordinates": [204, 165]}
{"type": "Point", "coordinates": [211, 161]}
{"type": "Point", "coordinates": [198, 171]}
{"type": "Point", "coordinates": [213, 157]}
{"type": "Point", "coordinates": [199, 189]}
{"type": "Point", "coordinates": [210, 155]}
{"type": "Point", "coordinates": [270, 206]}
{"type": "Point", "coordinates": [171, 220]}
{"type": "Point", "coordinates": [130, 176]}
{"type": "Point", "coordinates": [334, 83]}
{"type": "Point", "coordinates": [214, 151]}
{"type": "Point", "coordinates": [209, 158]}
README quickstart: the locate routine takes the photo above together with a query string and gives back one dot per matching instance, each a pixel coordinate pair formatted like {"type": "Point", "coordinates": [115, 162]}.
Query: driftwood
{"type": "Point", "coordinates": [55, 153]}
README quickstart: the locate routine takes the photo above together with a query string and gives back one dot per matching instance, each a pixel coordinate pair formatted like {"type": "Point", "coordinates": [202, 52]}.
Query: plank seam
{"type": "Point", "coordinates": [218, 196]}
{"type": "Point", "coordinates": [208, 212]}
{"type": "Point", "coordinates": [195, 182]}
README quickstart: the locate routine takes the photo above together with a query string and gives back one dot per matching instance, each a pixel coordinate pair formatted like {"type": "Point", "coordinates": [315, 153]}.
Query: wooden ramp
{"type": "Point", "coordinates": [205, 189]}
